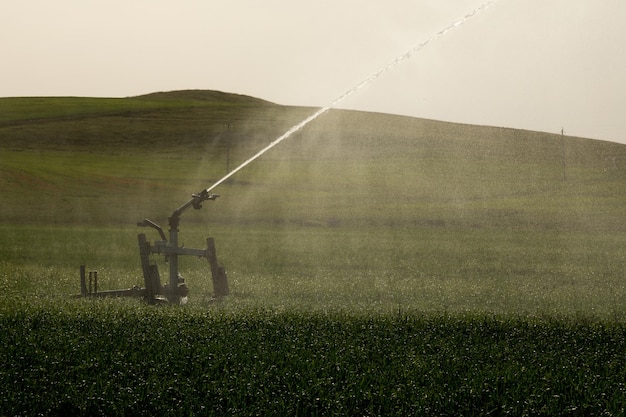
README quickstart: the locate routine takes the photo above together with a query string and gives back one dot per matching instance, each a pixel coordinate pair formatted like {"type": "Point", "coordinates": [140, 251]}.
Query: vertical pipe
{"type": "Point", "coordinates": [95, 281]}
{"type": "Point", "coordinates": [90, 278]}
{"type": "Point", "coordinates": [173, 295]}
{"type": "Point", "coordinates": [563, 163]}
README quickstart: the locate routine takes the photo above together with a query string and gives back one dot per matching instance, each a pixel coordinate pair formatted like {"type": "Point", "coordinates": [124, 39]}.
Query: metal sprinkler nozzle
{"type": "Point", "coordinates": [197, 199]}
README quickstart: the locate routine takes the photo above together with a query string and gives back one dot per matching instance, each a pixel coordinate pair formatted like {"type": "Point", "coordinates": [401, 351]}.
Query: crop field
{"type": "Point", "coordinates": [378, 265]}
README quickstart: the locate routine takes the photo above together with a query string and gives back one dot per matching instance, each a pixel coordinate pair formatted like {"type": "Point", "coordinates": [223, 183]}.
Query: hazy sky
{"type": "Point", "coordinates": [531, 64]}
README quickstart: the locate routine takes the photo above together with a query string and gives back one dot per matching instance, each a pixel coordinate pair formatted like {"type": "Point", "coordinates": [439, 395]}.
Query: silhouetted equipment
{"type": "Point", "coordinates": [176, 289]}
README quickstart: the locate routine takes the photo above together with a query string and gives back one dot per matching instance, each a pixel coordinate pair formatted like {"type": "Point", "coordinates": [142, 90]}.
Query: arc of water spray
{"type": "Point", "coordinates": [357, 87]}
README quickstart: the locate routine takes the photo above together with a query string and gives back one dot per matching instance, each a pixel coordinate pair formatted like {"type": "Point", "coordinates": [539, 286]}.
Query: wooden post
{"type": "Point", "coordinates": [151, 278]}
{"type": "Point", "coordinates": [220, 281]}
{"type": "Point", "coordinates": [563, 163]}
{"type": "Point", "coordinates": [153, 285]}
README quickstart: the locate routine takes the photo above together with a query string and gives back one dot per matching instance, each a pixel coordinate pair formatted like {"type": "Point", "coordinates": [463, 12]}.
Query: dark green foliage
{"type": "Point", "coordinates": [129, 361]}
{"type": "Point", "coordinates": [500, 250]}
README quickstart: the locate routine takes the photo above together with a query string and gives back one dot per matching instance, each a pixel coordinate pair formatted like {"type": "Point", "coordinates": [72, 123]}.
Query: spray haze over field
{"type": "Point", "coordinates": [356, 206]}
{"type": "Point", "coordinates": [377, 264]}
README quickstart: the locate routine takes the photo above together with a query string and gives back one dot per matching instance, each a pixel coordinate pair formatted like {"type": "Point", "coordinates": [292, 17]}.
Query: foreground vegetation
{"type": "Point", "coordinates": [114, 358]}
{"type": "Point", "coordinates": [378, 265]}
{"type": "Point", "coordinates": [321, 269]}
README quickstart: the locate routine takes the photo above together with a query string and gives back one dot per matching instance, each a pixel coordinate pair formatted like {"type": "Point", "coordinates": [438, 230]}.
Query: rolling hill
{"type": "Point", "coordinates": [84, 160]}
{"type": "Point", "coordinates": [376, 263]}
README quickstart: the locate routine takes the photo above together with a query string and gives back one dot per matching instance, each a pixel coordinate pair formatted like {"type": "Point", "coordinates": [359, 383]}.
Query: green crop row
{"type": "Point", "coordinates": [112, 358]}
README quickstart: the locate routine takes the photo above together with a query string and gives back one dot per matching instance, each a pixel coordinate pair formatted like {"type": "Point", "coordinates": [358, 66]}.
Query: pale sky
{"type": "Point", "coordinates": [529, 64]}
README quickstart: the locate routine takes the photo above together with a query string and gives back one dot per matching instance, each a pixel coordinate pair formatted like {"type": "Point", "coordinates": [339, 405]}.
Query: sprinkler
{"type": "Point", "coordinates": [175, 290]}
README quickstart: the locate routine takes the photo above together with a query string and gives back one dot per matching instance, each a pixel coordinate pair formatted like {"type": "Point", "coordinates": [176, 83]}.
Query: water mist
{"type": "Point", "coordinates": [354, 89]}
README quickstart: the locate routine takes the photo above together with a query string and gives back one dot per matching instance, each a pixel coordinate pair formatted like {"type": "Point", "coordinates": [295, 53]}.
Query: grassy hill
{"type": "Point", "coordinates": [356, 209]}
{"type": "Point", "coordinates": [73, 160]}
{"type": "Point", "coordinates": [108, 161]}
{"type": "Point", "coordinates": [378, 265]}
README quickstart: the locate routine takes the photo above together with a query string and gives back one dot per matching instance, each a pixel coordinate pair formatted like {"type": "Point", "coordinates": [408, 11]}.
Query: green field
{"type": "Point", "coordinates": [378, 265]}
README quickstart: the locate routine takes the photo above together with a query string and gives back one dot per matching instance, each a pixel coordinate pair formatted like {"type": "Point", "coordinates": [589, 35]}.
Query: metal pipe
{"type": "Point", "coordinates": [174, 221]}
{"type": "Point", "coordinates": [150, 223]}
{"type": "Point", "coordinates": [195, 202]}
{"type": "Point", "coordinates": [173, 295]}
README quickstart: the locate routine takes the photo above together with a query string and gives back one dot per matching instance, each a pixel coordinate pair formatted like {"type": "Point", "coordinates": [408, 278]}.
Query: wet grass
{"type": "Point", "coordinates": [378, 265]}
{"type": "Point", "coordinates": [320, 321]}
{"type": "Point", "coordinates": [323, 269]}
{"type": "Point", "coordinates": [110, 358]}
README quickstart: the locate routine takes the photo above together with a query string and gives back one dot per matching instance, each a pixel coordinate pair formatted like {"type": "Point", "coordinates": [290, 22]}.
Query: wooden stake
{"type": "Point", "coordinates": [220, 281]}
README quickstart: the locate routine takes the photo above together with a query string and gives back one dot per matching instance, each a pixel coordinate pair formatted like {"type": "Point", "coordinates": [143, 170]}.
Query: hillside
{"type": "Point", "coordinates": [77, 160]}
{"type": "Point", "coordinates": [101, 124]}
{"type": "Point", "coordinates": [376, 264]}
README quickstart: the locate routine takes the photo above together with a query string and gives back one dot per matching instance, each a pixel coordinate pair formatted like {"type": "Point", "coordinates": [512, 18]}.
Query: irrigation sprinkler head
{"type": "Point", "coordinates": [197, 199]}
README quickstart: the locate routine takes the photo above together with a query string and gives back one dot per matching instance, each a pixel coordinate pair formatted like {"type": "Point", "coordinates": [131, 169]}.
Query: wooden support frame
{"type": "Point", "coordinates": [218, 273]}
{"type": "Point", "coordinates": [151, 276]}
